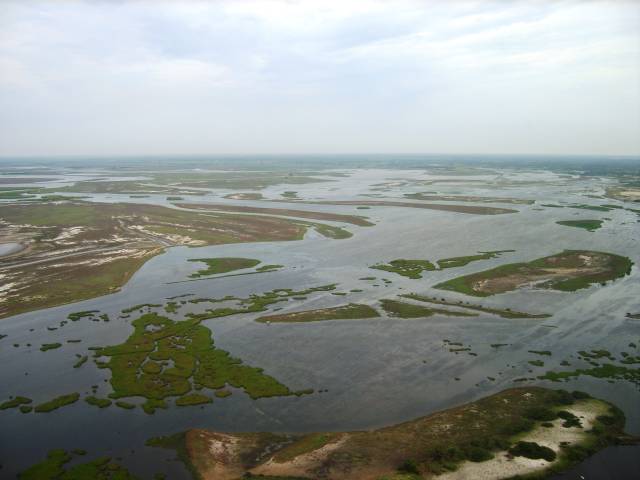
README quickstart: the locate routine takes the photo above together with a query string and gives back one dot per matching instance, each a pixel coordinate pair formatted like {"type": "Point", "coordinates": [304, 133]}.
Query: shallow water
{"type": "Point", "coordinates": [9, 248]}
{"type": "Point", "coordinates": [377, 371]}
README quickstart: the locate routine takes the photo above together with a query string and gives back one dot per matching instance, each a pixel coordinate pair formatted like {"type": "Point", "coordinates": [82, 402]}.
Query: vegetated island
{"type": "Point", "coordinates": [394, 308]}
{"type": "Point", "coordinates": [520, 431]}
{"type": "Point", "coordinates": [589, 225]}
{"type": "Point", "coordinates": [284, 212]}
{"type": "Point", "coordinates": [470, 209]}
{"type": "Point", "coordinates": [414, 268]}
{"type": "Point", "coordinates": [104, 244]}
{"type": "Point", "coordinates": [344, 312]}
{"type": "Point", "coordinates": [468, 198]}
{"type": "Point", "coordinates": [501, 312]}
{"type": "Point", "coordinates": [568, 271]}
{"type": "Point", "coordinates": [54, 468]}
{"type": "Point", "coordinates": [222, 265]}
{"type": "Point", "coordinates": [164, 358]}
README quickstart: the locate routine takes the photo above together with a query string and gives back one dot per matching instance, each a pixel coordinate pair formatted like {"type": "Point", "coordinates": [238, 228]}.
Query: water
{"type": "Point", "coordinates": [378, 371]}
{"type": "Point", "coordinates": [9, 248]}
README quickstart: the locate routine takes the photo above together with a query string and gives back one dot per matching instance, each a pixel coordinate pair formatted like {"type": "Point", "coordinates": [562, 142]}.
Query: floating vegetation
{"type": "Point", "coordinates": [49, 346]}
{"type": "Point", "coordinates": [15, 402]}
{"type": "Point", "coordinates": [53, 468]}
{"type": "Point", "coordinates": [540, 352]}
{"type": "Point", "coordinates": [78, 315]}
{"type": "Point", "coordinates": [98, 402]}
{"type": "Point", "coordinates": [81, 361]}
{"type": "Point", "coordinates": [589, 225]}
{"type": "Point", "coordinates": [192, 399]}
{"type": "Point", "coordinates": [606, 371]}
{"type": "Point", "coordinates": [57, 402]}
{"type": "Point", "coordinates": [140, 307]}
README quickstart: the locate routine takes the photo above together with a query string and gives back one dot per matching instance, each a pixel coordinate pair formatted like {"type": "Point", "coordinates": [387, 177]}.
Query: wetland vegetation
{"type": "Point", "coordinates": [343, 312]}
{"type": "Point", "coordinates": [589, 225]}
{"type": "Point", "coordinates": [222, 265]}
{"type": "Point", "coordinates": [415, 268]}
{"type": "Point", "coordinates": [394, 308]}
{"type": "Point", "coordinates": [501, 312]}
{"type": "Point", "coordinates": [568, 271]}
{"type": "Point", "coordinates": [478, 432]}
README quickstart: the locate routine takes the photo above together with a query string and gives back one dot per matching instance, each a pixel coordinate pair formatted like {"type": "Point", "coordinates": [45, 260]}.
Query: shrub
{"type": "Point", "coordinates": [409, 466]}
{"type": "Point", "coordinates": [542, 414]}
{"type": "Point", "coordinates": [532, 450]}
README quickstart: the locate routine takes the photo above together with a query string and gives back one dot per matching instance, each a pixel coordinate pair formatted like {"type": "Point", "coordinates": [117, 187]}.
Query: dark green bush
{"type": "Point", "coordinates": [409, 466]}
{"type": "Point", "coordinates": [532, 450]}
{"type": "Point", "coordinates": [517, 426]}
{"type": "Point", "coordinates": [541, 414]}
{"type": "Point", "coordinates": [578, 395]}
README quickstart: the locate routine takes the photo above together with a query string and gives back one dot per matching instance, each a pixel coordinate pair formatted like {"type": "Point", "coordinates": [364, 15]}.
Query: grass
{"type": "Point", "coordinates": [589, 225]}
{"type": "Point", "coordinates": [454, 262]}
{"type": "Point", "coordinates": [99, 270]}
{"type": "Point", "coordinates": [81, 361]}
{"type": "Point", "coordinates": [15, 402]}
{"type": "Point", "coordinates": [501, 312]}
{"type": "Point", "coordinates": [57, 402]}
{"type": "Point", "coordinates": [188, 346]}
{"type": "Point", "coordinates": [53, 468]}
{"type": "Point", "coordinates": [192, 399]}
{"type": "Point", "coordinates": [49, 346]}
{"type": "Point", "coordinates": [343, 312]}
{"type": "Point", "coordinates": [398, 309]}
{"type": "Point", "coordinates": [222, 265]}
{"type": "Point", "coordinates": [407, 268]}
{"type": "Point", "coordinates": [98, 402]}
{"type": "Point", "coordinates": [568, 271]}
{"type": "Point", "coordinates": [604, 371]}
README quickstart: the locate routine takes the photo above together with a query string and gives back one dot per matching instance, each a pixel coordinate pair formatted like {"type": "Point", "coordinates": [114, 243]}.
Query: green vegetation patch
{"type": "Point", "coordinates": [78, 315]}
{"type": "Point", "coordinates": [343, 312]}
{"type": "Point", "coordinates": [501, 312]}
{"type": "Point", "coordinates": [606, 370]}
{"type": "Point", "coordinates": [98, 402]}
{"type": "Point", "coordinates": [81, 361]}
{"type": "Point", "coordinates": [15, 402]}
{"type": "Point", "coordinates": [465, 260]}
{"type": "Point", "coordinates": [187, 348]}
{"type": "Point", "coordinates": [532, 450]}
{"type": "Point", "coordinates": [57, 402]}
{"type": "Point", "coordinates": [568, 271]}
{"type": "Point", "coordinates": [394, 308]}
{"type": "Point", "coordinates": [222, 265]}
{"type": "Point", "coordinates": [53, 468]}
{"type": "Point", "coordinates": [49, 346]}
{"type": "Point", "coordinates": [590, 225]}
{"type": "Point", "coordinates": [193, 399]}
{"type": "Point", "coordinates": [407, 268]}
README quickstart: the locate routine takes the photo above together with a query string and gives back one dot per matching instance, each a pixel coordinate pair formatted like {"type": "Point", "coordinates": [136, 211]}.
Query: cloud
{"type": "Point", "coordinates": [319, 76]}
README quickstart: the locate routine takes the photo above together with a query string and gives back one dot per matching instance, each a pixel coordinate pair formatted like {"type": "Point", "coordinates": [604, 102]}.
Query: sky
{"type": "Point", "coordinates": [319, 77]}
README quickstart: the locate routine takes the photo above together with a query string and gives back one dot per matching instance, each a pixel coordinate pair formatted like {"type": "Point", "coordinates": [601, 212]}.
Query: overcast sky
{"type": "Point", "coordinates": [345, 76]}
